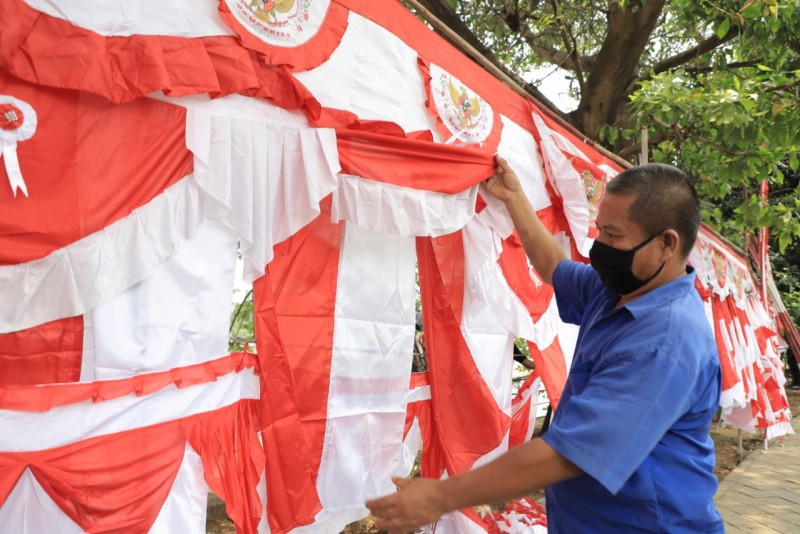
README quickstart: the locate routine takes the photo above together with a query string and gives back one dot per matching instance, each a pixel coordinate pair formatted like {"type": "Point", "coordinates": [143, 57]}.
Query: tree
{"type": "Point", "coordinates": [716, 83]}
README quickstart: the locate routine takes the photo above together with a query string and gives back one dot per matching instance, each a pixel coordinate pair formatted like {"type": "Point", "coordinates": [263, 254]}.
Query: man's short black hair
{"type": "Point", "coordinates": [664, 197]}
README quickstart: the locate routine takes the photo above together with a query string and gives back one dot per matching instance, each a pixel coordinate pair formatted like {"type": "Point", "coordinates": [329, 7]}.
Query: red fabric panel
{"type": "Point", "coordinates": [536, 298]}
{"type": "Point", "coordinates": [294, 306]}
{"type": "Point", "coordinates": [464, 412]}
{"type": "Point", "coordinates": [553, 369]}
{"type": "Point", "coordinates": [119, 482]}
{"type": "Point", "coordinates": [520, 421]}
{"type": "Point", "coordinates": [418, 380]}
{"type": "Point", "coordinates": [233, 459]}
{"type": "Point", "coordinates": [721, 312]}
{"type": "Point", "coordinates": [412, 163]}
{"type": "Point", "coordinates": [122, 69]}
{"type": "Point", "coordinates": [89, 164]}
{"type": "Point", "coordinates": [534, 294]}
{"type": "Point", "coordinates": [113, 483]}
{"type": "Point", "coordinates": [44, 354]}
{"type": "Point", "coordinates": [433, 455]}
{"type": "Point", "coordinates": [45, 397]}
{"type": "Point", "coordinates": [306, 56]}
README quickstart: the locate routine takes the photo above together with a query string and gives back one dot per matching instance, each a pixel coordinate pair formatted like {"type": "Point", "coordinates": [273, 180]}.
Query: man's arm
{"type": "Point", "coordinates": [541, 247]}
{"type": "Point", "coordinates": [524, 469]}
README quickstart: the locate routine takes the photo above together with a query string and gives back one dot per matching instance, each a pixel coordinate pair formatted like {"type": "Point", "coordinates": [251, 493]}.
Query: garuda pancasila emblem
{"type": "Point", "coordinates": [265, 9]}
{"type": "Point", "coordinates": [469, 108]}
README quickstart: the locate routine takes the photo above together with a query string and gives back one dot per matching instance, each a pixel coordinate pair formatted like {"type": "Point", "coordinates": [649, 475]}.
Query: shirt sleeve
{"type": "Point", "coordinates": [573, 283]}
{"type": "Point", "coordinates": [615, 417]}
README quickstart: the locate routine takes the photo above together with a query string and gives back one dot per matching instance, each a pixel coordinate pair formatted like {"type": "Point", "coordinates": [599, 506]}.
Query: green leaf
{"type": "Point", "coordinates": [753, 11]}
{"type": "Point", "coordinates": [722, 29]}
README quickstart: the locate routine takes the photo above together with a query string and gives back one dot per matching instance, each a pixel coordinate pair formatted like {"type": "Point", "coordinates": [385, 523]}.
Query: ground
{"type": "Point", "coordinates": [725, 439]}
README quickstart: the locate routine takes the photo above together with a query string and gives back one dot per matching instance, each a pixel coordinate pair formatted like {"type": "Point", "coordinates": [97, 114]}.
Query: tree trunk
{"type": "Point", "coordinates": [607, 87]}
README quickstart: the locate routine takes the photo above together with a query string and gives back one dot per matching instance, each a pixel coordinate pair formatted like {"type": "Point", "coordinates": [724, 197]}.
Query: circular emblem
{"type": "Point", "coordinates": [17, 123]}
{"type": "Point", "coordinates": [280, 22]}
{"type": "Point", "coordinates": [17, 120]}
{"type": "Point", "coordinates": [720, 266]}
{"type": "Point", "coordinates": [468, 117]}
{"type": "Point", "coordinates": [11, 117]}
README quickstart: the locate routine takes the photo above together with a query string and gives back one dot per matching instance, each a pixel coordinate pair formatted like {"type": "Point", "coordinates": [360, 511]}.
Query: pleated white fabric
{"type": "Point", "coordinates": [400, 210]}
{"type": "Point", "coordinates": [265, 166]}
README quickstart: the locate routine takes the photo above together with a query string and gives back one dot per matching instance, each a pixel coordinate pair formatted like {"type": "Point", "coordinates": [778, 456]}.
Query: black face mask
{"type": "Point", "coordinates": [614, 266]}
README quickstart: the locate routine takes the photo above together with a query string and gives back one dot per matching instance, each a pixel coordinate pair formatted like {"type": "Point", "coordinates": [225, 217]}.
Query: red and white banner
{"type": "Point", "coordinates": [339, 145]}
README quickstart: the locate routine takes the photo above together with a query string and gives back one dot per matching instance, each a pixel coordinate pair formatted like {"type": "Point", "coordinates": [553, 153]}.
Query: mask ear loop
{"type": "Point", "coordinates": [663, 263]}
{"type": "Point", "coordinates": [646, 241]}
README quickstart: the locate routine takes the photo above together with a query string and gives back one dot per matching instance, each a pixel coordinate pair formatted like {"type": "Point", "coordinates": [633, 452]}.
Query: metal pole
{"type": "Point", "coordinates": [643, 157]}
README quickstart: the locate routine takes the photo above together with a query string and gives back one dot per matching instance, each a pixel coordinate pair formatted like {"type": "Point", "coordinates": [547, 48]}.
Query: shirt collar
{"type": "Point", "coordinates": [657, 297]}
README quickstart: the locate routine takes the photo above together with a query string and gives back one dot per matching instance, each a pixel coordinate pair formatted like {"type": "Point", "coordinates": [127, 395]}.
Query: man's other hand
{"type": "Point", "coordinates": [418, 502]}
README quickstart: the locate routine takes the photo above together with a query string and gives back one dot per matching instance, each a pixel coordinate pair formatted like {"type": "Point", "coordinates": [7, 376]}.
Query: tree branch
{"type": "Point", "coordinates": [569, 44]}
{"type": "Point", "coordinates": [704, 47]}
{"type": "Point", "coordinates": [616, 63]}
{"type": "Point", "coordinates": [453, 29]}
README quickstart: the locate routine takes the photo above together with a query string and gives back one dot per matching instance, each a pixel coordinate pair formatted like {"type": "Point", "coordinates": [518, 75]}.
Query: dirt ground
{"type": "Point", "coordinates": [725, 438]}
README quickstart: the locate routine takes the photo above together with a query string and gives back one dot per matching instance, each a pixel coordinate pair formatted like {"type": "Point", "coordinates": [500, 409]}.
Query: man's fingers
{"type": "Point", "coordinates": [383, 506]}
{"type": "Point", "coordinates": [401, 482]}
{"type": "Point", "coordinates": [501, 162]}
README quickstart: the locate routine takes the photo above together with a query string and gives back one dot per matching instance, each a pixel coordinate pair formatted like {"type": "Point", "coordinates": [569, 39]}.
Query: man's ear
{"type": "Point", "coordinates": [671, 241]}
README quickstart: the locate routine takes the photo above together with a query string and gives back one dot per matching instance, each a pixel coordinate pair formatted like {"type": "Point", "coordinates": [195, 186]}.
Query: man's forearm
{"type": "Point", "coordinates": [525, 469]}
{"type": "Point", "coordinates": [541, 247]}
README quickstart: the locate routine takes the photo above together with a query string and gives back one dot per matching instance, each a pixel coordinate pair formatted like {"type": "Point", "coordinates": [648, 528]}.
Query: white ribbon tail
{"type": "Point", "coordinates": [12, 168]}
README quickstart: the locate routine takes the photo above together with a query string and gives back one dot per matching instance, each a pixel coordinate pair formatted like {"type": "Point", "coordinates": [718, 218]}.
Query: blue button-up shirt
{"type": "Point", "coordinates": [636, 410]}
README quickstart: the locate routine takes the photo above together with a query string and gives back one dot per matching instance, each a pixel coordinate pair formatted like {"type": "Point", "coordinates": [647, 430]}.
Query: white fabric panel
{"type": "Point", "coordinates": [400, 210]}
{"type": "Point", "coordinates": [373, 74]}
{"type": "Point", "coordinates": [85, 274]}
{"type": "Point", "coordinates": [410, 449]}
{"type": "Point", "coordinates": [178, 316]}
{"type": "Point", "coordinates": [492, 317]}
{"type": "Point", "coordinates": [75, 422]}
{"type": "Point", "coordinates": [454, 523]}
{"type": "Point", "coordinates": [370, 372]}
{"type": "Point", "coordinates": [567, 184]}
{"type": "Point", "coordinates": [519, 148]}
{"type": "Point", "coordinates": [547, 328]}
{"type": "Point", "coordinates": [181, 18]}
{"type": "Point", "coordinates": [30, 510]}
{"type": "Point", "coordinates": [413, 440]}
{"type": "Point", "coordinates": [184, 510]}
{"type": "Point", "coordinates": [268, 172]}
{"type": "Point", "coordinates": [492, 314]}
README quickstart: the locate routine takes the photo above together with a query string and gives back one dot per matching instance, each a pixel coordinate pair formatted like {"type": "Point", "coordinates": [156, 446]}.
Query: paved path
{"type": "Point", "coordinates": [762, 495]}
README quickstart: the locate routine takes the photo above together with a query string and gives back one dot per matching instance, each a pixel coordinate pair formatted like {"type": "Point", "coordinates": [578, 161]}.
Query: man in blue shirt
{"type": "Point", "coordinates": [628, 449]}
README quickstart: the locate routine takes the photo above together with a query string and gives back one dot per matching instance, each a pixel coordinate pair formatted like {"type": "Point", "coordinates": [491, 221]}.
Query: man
{"type": "Point", "coordinates": [628, 449]}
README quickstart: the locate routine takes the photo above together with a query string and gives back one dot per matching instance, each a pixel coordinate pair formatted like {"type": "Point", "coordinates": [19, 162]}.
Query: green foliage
{"type": "Point", "coordinates": [242, 329]}
{"type": "Point", "coordinates": [732, 120]}
{"type": "Point", "coordinates": [728, 114]}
